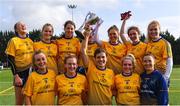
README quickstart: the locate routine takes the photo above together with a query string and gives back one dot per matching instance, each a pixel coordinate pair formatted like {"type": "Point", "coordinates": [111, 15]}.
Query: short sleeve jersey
{"type": "Point", "coordinates": [138, 51]}
{"type": "Point", "coordinates": [161, 50]}
{"type": "Point", "coordinates": [70, 89]}
{"type": "Point", "coordinates": [41, 88]}
{"type": "Point", "coordinates": [127, 89]}
{"type": "Point", "coordinates": [22, 51]}
{"type": "Point", "coordinates": [50, 51]}
{"type": "Point", "coordinates": [66, 47]}
{"type": "Point", "coordinates": [115, 53]}
{"type": "Point", "coordinates": [100, 85]}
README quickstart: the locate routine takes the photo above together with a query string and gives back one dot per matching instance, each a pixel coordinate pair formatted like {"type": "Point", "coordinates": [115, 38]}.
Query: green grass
{"type": "Point", "coordinates": [174, 92]}
{"type": "Point", "coordinates": [6, 78]}
{"type": "Point", "coordinates": [7, 98]}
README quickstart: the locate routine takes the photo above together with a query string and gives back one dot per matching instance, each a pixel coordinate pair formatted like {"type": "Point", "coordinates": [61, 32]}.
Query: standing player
{"type": "Point", "coordinates": [72, 86]}
{"type": "Point", "coordinates": [20, 51]}
{"type": "Point", "coordinates": [115, 50]}
{"type": "Point", "coordinates": [100, 79]}
{"type": "Point", "coordinates": [40, 86]}
{"type": "Point", "coordinates": [68, 44]}
{"type": "Point", "coordinates": [160, 49]}
{"type": "Point", "coordinates": [48, 47]}
{"type": "Point", "coordinates": [135, 46]}
{"type": "Point", "coordinates": [92, 45]}
{"type": "Point", "coordinates": [128, 83]}
{"type": "Point", "coordinates": [154, 90]}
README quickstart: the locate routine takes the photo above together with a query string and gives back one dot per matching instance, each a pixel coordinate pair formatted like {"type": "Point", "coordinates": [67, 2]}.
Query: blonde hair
{"type": "Point", "coordinates": [46, 25]}
{"type": "Point", "coordinates": [68, 57]}
{"type": "Point", "coordinates": [151, 23]}
{"type": "Point", "coordinates": [130, 57]}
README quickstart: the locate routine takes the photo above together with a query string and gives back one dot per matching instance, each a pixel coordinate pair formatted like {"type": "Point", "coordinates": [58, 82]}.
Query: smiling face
{"type": "Point", "coordinates": [69, 30]}
{"type": "Point", "coordinates": [127, 66]}
{"type": "Point", "coordinates": [71, 64]}
{"type": "Point", "coordinates": [40, 61]}
{"type": "Point", "coordinates": [100, 60]}
{"type": "Point", "coordinates": [113, 35]}
{"type": "Point", "coordinates": [154, 30]}
{"type": "Point", "coordinates": [133, 35]}
{"type": "Point", "coordinates": [148, 62]}
{"type": "Point", "coordinates": [21, 28]}
{"type": "Point", "coordinates": [47, 32]}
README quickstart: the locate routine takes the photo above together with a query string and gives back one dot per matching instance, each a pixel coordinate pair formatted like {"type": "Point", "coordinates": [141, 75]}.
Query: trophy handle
{"type": "Point", "coordinates": [95, 29]}
{"type": "Point", "coordinates": [85, 20]}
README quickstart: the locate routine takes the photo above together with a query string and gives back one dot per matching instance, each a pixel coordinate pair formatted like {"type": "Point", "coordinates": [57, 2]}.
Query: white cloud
{"type": "Point", "coordinates": [172, 24]}
{"type": "Point", "coordinates": [35, 13]}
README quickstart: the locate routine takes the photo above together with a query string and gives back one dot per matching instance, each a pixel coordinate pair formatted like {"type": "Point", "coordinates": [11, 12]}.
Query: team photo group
{"type": "Point", "coordinates": [80, 69]}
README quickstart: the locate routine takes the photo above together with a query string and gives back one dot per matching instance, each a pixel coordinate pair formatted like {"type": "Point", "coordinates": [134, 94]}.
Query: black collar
{"type": "Point", "coordinates": [70, 76]}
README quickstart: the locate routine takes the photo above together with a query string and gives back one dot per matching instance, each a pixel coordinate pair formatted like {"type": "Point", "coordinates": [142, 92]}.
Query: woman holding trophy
{"type": "Point", "coordinates": [112, 47]}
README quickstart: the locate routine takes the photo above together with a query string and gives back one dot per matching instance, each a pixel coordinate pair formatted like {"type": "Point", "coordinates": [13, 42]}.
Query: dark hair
{"type": "Point", "coordinates": [99, 50]}
{"type": "Point", "coordinates": [69, 22]}
{"type": "Point", "coordinates": [68, 57]}
{"type": "Point", "coordinates": [15, 28]}
{"type": "Point", "coordinates": [149, 54]}
{"type": "Point", "coordinates": [134, 28]}
{"type": "Point", "coordinates": [113, 27]}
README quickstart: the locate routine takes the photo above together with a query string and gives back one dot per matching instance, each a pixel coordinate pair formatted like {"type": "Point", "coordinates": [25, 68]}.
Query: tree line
{"type": "Point", "coordinates": [35, 36]}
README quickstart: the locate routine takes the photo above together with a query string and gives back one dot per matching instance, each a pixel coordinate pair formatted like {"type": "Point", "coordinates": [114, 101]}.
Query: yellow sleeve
{"type": "Point", "coordinates": [10, 50]}
{"type": "Point", "coordinates": [35, 46]}
{"type": "Point", "coordinates": [78, 48]}
{"type": "Point", "coordinates": [168, 50]}
{"type": "Point", "coordinates": [28, 89]}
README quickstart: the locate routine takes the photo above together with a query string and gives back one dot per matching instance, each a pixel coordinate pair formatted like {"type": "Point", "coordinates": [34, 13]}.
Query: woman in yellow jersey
{"type": "Point", "coordinates": [49, 48]}
{"type": "Point", "coordinates": [135, 46]}
{"type": "Point", "coordinates": [68, 44]}
{"type": "Point", "coordinates": [100, 79]}
{"type": "Point", "coordinates": [40, 86]}
{"type": "Point", "coordinates": [71, 86]}
{"type": "Point", "coordinates": [160, 49]}
{"type": "Point", "coordinates": [92, 45]}
{"type": "Point", "coordinates": [20, 51]}
{"type": "Point", "coordinates": [127, 83]}
{"type": "Point", "coordinates": [115, 49]}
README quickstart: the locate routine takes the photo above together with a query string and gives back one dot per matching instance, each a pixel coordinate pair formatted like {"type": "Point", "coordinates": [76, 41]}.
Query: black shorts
{"type": "Point", "coordinates": [24, 76]}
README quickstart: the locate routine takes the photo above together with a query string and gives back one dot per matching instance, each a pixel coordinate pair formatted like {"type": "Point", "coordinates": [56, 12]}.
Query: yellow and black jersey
{"type": "Point", "coordinates": [161, 50]}
{"type": "Point", "coordinates": [22, 50]}
{"type": "Point", "coordinates": [138, 51]}
{"type": "Point", "coordinates": [50, 51]}
{"type": "Point", "coordinates": [127, 87]}
{"type": "Point", "coordinates": [66, 47]}
{"type": "Point", "coordinates": [100, 85]}
{"type": "Point", "coordinates": [115, 53]}
{"type": "Point", "coordinates": [41, 88]}
{"type": "Point", "coordinates": [70, 89]}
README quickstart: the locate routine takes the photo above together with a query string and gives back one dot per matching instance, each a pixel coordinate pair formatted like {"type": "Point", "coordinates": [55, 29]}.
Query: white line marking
{"type": "Point", "coordinates": [7, 89]}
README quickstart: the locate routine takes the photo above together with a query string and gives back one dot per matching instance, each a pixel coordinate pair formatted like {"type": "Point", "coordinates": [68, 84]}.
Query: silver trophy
{"type": "Point", "coordinates": [91, 19]}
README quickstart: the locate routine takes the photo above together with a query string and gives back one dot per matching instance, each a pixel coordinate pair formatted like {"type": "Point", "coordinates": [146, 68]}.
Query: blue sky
{"type": "Point", "coordinates": [35, 13]}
